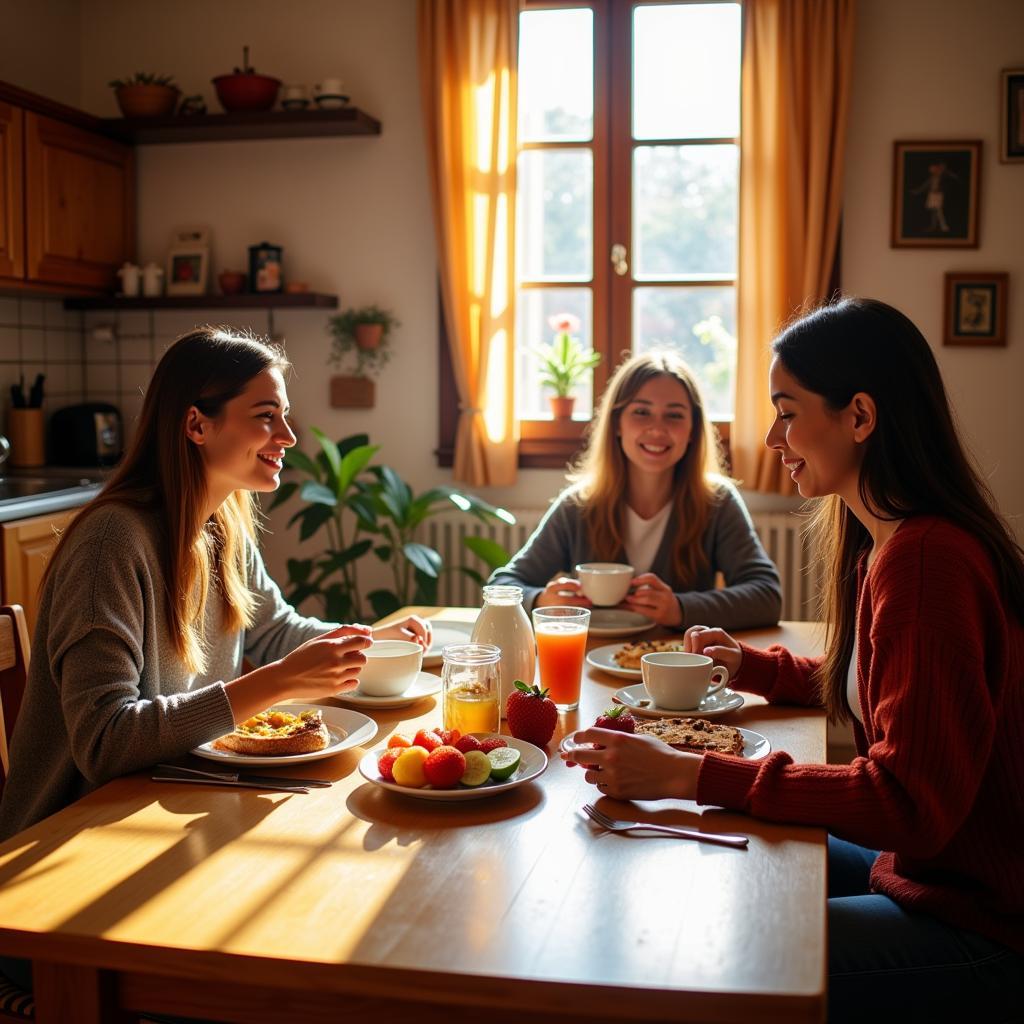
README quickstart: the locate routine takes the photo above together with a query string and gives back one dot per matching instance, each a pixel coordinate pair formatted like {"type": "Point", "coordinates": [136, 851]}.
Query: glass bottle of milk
{"type": "Point", "coordinates": [503, 622]}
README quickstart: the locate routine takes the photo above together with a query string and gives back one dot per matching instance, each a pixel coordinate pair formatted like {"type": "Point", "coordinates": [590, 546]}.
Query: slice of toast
{"type": "Point", "coordinates": [629, 655]}
{"type": "Point", "coordinates": [694, 734]}
{"type": "Point", "coordinates": [277, 733]}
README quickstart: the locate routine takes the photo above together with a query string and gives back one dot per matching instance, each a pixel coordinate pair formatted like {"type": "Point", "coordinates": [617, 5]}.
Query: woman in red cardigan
{"type": "Point", "coordinates": [924, 601]}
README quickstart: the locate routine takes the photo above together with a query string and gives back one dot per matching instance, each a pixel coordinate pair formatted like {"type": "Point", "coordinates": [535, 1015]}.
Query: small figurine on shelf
{"type": "Point", "coordinates": [265, 269]}
{"type": "Point", "coordinates": [194, 104]}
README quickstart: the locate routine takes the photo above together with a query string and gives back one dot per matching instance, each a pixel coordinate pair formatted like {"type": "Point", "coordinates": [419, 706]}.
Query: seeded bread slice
{"type": "Point", "coordinates": [694, 734]}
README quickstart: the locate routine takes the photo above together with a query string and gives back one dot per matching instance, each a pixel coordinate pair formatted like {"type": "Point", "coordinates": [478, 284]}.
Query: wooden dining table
{"type": "Point", "coordinates": [360, 904]}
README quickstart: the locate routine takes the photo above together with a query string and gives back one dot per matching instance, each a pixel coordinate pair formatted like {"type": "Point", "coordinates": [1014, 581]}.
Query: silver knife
{"type": "Point", "coordinates": [174, 772]}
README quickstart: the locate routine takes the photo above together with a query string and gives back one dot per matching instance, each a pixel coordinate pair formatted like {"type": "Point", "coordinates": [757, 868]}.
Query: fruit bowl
{"type": "Point", "coordinates": [246, 91]}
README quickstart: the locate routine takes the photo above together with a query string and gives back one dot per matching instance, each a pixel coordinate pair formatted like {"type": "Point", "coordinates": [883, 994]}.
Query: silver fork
{"type": "Point", "coordinates": [615, 825]}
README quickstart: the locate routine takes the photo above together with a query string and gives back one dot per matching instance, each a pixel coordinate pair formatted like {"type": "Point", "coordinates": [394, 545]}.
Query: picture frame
{"type": "Point", "coordinates": [1011, 131]}
{"type": "Point", "coordinates": [935, 194]}
{"type": "Point", "coordinates": [188, 261]}
{"type": "Point", "coordinates": [975, 308]}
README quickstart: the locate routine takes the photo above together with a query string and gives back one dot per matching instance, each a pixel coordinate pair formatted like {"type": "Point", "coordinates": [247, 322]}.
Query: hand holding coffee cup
{"type": "Point", "coordinates": [391, 668]}
{"type": "Point", "coordinates": [605, 583]}
{"type": "Point", "coordinates": [676, 681]}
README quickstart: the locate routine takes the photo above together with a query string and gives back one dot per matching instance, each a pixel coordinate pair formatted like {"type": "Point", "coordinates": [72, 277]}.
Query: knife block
{"type": "Point", "coordinates": [25, 432]}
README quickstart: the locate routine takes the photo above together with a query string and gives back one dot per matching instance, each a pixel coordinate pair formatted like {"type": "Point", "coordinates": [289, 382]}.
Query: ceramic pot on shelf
{"type": "Point", "coordinates": [562, 406]}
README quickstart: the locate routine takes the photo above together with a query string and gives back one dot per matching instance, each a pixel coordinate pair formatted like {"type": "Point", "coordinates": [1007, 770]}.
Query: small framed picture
{"type": "Point", "coordinates": [975, 309]}
{"type": "Point", "coordinates": [187, 270]}
{"type": "Point", "coordinates": [266, 273]}
{"type": "Point", "coordinates": [935, 194]}
{"type": "Point", "coordinates": [1012, 131]}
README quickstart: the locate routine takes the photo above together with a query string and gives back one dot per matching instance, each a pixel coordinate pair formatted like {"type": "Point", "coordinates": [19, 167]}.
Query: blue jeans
{"type": "Point", "coordinates": [885, 963]}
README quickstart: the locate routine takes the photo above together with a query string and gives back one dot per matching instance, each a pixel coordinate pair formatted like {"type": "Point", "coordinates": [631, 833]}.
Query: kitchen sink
{"type": "Point", "coordinates": [15, 489]}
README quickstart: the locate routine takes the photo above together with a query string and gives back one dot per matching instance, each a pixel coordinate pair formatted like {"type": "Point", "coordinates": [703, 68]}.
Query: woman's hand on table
{"type": "Point", "coordinates": [629, 767]}
{"type": "Point", "coordinates": [721, 648]}
{"type": "Point", "coordinates": [412, 627]}
{"type": "Point", "coordinates": [650, 595]}
{"type": "Point", "coordinates": [563, 591]}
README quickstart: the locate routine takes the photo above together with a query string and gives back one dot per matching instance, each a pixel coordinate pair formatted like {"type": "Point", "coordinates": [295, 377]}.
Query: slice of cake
{"type": "Point", "coordinates": [694, 734]}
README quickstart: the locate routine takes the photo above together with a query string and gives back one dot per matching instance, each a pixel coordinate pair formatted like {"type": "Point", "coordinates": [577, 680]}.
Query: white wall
{"type": "Point", "coordinates": [40, 47]}
{"type": "Point", "coordinates": [930, 70]}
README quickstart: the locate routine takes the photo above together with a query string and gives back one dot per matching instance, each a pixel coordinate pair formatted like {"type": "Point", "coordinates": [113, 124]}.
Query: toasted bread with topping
{"type": "Point", "coordinates": [694, 734]}
{"type": "Point", "coordinates": [277, 733]}
{"type": "Point", "coordinates": [629, 655]}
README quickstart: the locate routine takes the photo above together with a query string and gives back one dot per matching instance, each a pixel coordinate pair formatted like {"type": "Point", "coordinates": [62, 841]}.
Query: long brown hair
{"type": "Point", "coordinates": [914, 462]}
{"type": "Point", "coordinates": [164, 471]}
{"type": "Point", "coordinates": [601, 474]}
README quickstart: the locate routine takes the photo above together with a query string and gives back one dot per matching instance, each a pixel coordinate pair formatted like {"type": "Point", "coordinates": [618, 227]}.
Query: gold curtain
{"type": "Point", "coordinates": [468, 57]}
{"type": "Point", "coordinates": [797, 61]}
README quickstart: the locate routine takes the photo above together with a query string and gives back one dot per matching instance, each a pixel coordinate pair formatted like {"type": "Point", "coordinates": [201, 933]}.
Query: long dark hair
{"type": "Point", "coordinates": [164, 470]}
{"type": "Point", "coordinates": [914, 462]}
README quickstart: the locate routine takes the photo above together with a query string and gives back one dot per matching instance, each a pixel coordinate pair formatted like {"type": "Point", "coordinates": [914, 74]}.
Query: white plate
{"type": "Point", "coordinates": [755, 746]}
{"type": "Point", "coordinates": [347, 729]}
{"type": "Point", "coordinates": [425, 685]}
{"type": "Point", "coordinates": [618, 622]}
{"type": "Point", "coordinates": [446, 632]}
{"type": "Point", "coordinates": [604, 659]}
{"type": "Point", "coordinates": [715, 704]}
{"type": "Point", "coordinates": [532, 762]}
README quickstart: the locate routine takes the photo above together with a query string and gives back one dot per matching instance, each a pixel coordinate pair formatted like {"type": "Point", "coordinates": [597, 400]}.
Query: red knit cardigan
{"type": "Point", "coordinates": [938, 783]}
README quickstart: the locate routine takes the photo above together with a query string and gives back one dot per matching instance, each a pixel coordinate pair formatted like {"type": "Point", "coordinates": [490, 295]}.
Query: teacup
{"type": "Point", "coordinates": [391, 667]}
{"type": "Point", "coordinates": [293, 92]}
{"type": "Point", "coordinates": [329, 87]}
{"type": "Point", "coordinates": [605, 583]}
{"type": "Point", "coordinates": [677, 681]}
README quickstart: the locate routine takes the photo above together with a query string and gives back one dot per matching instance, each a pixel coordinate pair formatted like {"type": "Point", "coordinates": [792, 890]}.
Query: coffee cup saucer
{"type": "Point", "coordinates": [426, 684]}
{"type": "Point", "coordinates": [714, 704]}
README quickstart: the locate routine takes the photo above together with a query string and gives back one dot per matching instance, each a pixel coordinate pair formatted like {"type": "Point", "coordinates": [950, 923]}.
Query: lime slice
{"type": "Point", "coordinates": [478, 769]}
{"type": "Point", "coordinates": [504, 761]}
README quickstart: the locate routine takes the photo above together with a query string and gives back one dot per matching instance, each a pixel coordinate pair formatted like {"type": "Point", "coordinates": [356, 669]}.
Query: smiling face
{"type": "Point", "coordinates": [821, 448]}
{"type": "Point", "coordinates": [655, 426]}
{"type": "Point", "coordinates": [243, 446]}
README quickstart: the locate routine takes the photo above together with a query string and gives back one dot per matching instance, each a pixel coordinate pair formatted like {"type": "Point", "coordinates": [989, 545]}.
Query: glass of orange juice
{"type": "Point", "coordinates": [561, 645]}
{"type": "Point", "coordinates": [472, 687]}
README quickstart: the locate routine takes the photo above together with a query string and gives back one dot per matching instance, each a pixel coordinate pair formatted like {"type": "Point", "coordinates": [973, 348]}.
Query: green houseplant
{"type": "Point", "coordinates": [144, 94]}
{"type": "Point", "coordinates": [368, 510]}
{"type": "Point", "coordinates": [363, 330]}
{"type": "Point", "coordinates": [564, 363]}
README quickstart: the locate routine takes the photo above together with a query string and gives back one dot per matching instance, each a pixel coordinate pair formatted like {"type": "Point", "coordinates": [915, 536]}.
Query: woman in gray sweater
{"type": "Point", "coordinates": [157, 591]}
{"type": "Point", "coordinates": [648, 492]}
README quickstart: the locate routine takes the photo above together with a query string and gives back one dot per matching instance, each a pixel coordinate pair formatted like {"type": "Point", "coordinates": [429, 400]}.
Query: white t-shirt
{"type": "Point", "coordinates": [852, 694]}
{"type": "Point", "coordinates": [643, 537]}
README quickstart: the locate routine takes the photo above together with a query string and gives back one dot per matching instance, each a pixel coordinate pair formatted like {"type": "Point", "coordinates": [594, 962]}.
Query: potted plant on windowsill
{"type": "Point", "coordinates": [146, 95]}
{"type": "Point", "coordinates": [360, 335]}
{"type": "Point", "coordinates": [564, 364]}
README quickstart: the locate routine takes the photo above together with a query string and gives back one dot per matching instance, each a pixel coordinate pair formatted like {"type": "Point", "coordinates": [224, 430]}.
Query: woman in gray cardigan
{"type": "Point", "coordinates": [648, 492]}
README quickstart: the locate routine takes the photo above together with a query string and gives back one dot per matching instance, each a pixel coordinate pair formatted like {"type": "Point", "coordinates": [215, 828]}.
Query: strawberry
{"type": "Point", "coordinates": [398, 740]}
{"type": "Point", "coordinates": [616, 718]}
{"type": "Point", "coordinates": [486, 746]}
{"type": "Point", "coordinates": [532, 715]}
{"type": "Point", "coordinates": [466, 743]}
{"type": "Point", "coordinates": [386, 761]}
{"type": "Point", "coordinates": [427, 739]}
{"type": "Point", "coordinates": [444, 767]}
{"type": "Point", "coordinates": [448, 736]}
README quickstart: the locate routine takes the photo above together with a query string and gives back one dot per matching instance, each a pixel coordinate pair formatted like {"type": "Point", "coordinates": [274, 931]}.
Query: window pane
{"type": "Point", "coordinates": [685, 211]}
{"type": "Point", "coordinates": [535, 307]}
{"type": "Point", "coordinates": [686, 77]}
{"type": "Point", "coordinates": [555, 215]}
{"type": "Point", "coordinates": [556, 76]}
{"type": "Point", "coordinates": [700, 324]}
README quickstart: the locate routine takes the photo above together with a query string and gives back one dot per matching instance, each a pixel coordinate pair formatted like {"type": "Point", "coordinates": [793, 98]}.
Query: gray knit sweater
{"type": "Point", "coordinates": [106, 692]}
{"type": "Point", "coordinates": [751, 597]}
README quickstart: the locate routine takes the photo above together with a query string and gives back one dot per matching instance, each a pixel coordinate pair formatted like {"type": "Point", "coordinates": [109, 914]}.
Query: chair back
{"type": "Point", "coordinates": [14, 654]}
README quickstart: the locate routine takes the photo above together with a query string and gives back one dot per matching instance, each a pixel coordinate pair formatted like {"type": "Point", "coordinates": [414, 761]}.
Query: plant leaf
{"type": "Point", "coordinates": [282, 494]}
{"type": "Point", "coordinates": [330, 450]}
{"type": "Point", "coordinates": [317, 494]}
{"type": "Point", "coordinates": [312, 519]}
{"type": "Point", "coordinates": [383, 552]}
{"type": "Point", "coordinates": [338, 603]}
{"type": "Point", "coordinates": [493, 554]}
{"type": "Point", "coordinates": [336, 559]}
{"type": "Point", "coordinates": [295, 458]}
{"type": "Point", "coordinates": [346, 444]}
{"type": "Point", "coordinates": [383, 602]}
{"type": "Point", "coordinates": [299, 569]}
{"type": "Point", "coordinates": [365, 509]}
{"type": "Point", "coordinates": [425, 559]}
{"type": "Point", "coordinates": [353, 464]}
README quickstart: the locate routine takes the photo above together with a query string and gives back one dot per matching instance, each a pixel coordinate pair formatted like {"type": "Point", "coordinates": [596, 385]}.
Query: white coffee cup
{"type": "Point", "coordinates": [329, 87]}
{"type": "Point", "coordinates": [605, 583]}
{"type": "Point", "coordinates": [293, 92]}
{"type": "Point", "coordinates": [677, 681]}
{"type": "Point", "coordinates": [391, 667]}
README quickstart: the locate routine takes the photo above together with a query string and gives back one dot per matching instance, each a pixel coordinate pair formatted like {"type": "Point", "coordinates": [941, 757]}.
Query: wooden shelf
{"type": "Point", "coordinates": [256, 124]}
{"type": "Point", "coordinates": [271, 300]}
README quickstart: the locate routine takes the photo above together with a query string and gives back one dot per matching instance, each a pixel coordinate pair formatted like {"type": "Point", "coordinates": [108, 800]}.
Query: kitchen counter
{"type": "Point", "coordinates": [39, 492]}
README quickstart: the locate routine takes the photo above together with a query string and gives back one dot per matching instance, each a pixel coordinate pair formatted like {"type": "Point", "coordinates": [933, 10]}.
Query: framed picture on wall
{"type": "Point", "coordinates": [975, 309]}
{"type": "Point", "coordinates": [1011, 131]}
{"type": "Point", "coordinates": [188, 261]}
{"type": "Point", "coordinates": [935, 194]}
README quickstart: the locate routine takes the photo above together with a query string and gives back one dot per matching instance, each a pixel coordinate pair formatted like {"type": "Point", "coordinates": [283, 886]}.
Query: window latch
{"type": "Point", "coordinates": [618, 258]}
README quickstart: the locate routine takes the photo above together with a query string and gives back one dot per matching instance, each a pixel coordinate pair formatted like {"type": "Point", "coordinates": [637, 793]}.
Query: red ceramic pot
{"type": "Point", "coordinates": [246, 92]}
{"type": "Point", "coordinates": [231, 282]}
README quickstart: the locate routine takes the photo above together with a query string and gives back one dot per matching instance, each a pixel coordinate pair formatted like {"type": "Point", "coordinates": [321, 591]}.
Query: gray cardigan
{"type": "Point", "coordinates": [751, 597]}
{"type": "Point", "coordinates": [106, 693]}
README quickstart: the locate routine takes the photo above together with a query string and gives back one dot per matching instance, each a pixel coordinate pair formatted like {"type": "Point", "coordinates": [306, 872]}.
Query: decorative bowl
{"type": "Point", "coordinates": [232, 282]}
{"type": "Point", "coordinates": [247, 92]}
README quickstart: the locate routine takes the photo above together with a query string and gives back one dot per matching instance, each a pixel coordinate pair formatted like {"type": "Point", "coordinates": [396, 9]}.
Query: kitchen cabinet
{"type": "Point", "coordinates": [12, 199]}
{"type": "Point", "coordinates": [28, 545]}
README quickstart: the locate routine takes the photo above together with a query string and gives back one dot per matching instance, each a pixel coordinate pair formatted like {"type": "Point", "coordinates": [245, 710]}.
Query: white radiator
{"type": "Point", "coordinates": [779, 533]}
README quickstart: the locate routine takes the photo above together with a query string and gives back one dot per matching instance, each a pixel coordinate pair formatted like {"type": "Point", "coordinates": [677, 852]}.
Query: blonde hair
{"type": "Point", "coordinates": [164, 471]}
{"type": "Point", "coordinates": [600, 475]}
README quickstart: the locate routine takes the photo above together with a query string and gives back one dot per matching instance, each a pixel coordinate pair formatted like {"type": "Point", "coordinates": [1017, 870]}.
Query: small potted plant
{"type": "Point", "coordinates": [564, 363]}
{"type": "Point", "coordinates": [146, 95]}
{"type": "Point", "coordinates": [363, 334]}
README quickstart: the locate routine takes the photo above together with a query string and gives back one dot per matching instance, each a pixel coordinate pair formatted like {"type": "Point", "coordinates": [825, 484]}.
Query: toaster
{"type": "Point", "coordinates": [88, 434]}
